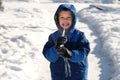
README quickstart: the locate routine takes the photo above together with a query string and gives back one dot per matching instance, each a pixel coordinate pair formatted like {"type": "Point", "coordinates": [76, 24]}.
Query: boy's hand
{"type": "Point", "coordinates": [61, 41]}
{"type": "Point", "coordinates": [64, 52]}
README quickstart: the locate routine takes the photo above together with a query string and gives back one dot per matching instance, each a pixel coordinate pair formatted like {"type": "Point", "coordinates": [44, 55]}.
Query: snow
{"type": "Point", "coordinates": [25, 27]}
{"type": "Point", "coordinates": [105, 24]}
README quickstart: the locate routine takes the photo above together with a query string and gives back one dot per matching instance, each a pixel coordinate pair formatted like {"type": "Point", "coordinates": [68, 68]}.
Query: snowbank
{"type": "Point", "coordinates": [105, 21]}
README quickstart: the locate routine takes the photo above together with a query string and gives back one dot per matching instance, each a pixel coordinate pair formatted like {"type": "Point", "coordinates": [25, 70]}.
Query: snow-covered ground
{"type": "Point", "coordinates": [105, 24]}
{"type": "Point", "coordinates": [24, 29]}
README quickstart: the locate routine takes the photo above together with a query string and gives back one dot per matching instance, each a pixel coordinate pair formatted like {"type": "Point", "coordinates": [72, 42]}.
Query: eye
{"type": "Point", "coordinates": [69, 18]}
{"type": "Point", "coordinates": [61, 17]}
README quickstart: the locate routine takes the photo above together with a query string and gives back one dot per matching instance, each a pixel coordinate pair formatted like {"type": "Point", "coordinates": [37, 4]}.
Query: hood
{"type": "Point", "coordinates": [73, 10]}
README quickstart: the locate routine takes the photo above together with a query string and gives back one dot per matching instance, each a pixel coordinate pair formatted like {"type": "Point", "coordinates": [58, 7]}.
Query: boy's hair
{"type": "Point", "coordinates": [65, 9]}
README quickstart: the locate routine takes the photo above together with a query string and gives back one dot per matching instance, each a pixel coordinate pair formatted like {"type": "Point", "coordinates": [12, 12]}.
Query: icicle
{"type": "Point", "coordinates": [63, 33]}
{"type": "Point", "coordinates": [67, 65]}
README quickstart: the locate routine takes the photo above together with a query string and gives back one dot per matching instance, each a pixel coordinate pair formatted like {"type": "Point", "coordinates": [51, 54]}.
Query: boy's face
{"type": "Point", "coordinates": [65, 19]}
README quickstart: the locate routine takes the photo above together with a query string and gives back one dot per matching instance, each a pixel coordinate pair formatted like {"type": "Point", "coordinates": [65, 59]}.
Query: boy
{"type": "Point", "coordinates": [67, 49]}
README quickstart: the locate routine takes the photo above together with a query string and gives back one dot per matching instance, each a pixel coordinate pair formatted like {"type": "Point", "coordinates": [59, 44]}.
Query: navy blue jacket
{"type": "Point", "coordinates": [78, 46]}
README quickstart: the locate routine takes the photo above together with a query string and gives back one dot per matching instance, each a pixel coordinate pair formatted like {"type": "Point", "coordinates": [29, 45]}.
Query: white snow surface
{"type": "Point", "coordinates": [25, 27]}
{"type": "Point", "coordinates": [105, 24]}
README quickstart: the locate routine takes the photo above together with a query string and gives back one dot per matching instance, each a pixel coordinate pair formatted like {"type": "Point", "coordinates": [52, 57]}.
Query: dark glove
{"type": "Point", "coordinates": [61, 41]}
{"type": "Point", "coordinates": [64, 52]}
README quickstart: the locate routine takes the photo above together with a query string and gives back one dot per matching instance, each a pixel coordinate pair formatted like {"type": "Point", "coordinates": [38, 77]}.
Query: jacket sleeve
{"type": "Point", "coordinates": [82, 51]}
{"type": "Point", "coordinates": [49, 50]}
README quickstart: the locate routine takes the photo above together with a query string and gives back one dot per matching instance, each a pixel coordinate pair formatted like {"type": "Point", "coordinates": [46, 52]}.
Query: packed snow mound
{"type": "Point", "coordinates": [106, 23]}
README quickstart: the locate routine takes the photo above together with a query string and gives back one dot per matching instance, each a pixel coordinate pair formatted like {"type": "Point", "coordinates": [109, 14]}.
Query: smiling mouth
{"type": "Point", "coordinates": [65, 25]}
